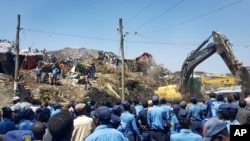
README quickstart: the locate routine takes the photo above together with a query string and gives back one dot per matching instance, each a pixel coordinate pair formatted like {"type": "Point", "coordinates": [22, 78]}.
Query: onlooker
{"type": "Point", "coordinates": [38, 129]}
{"type": "Point", "coordinates": [27, 118]}
{"type": "Point", "coordinates": [156, 117]}
{"type": "Point", "coordinates": [195, 115]}
{"type": "Point", "coordinates": [167, 108]}
{"type": "Point", "coordinates": [62, 67]}
{"type": "Point", "coordinates": [216, 104]}
{"type": "Point", "coordinates": [175, 126]}
{"type": "Point", "coordinates": [38, 74]}
{"type": "Point", "coordinates": [141, 119]}
{"type": "Point", "coordinates": [185, 132]}
{"type": "Point", "coordinates": [236, 97]}
{"type": "Point", "coordinates": [223, 113]}
{"type": "Point", "coordinates": [247, 98]}
{"type": "Point", "coordinates": [86, 77]}
{"type": "Point", "coordinates": [102, 131]}
{"type": "Point", "coordinates": [230, 99]}
{"type": "Point", "coordinates": [7, 123]}
{"type": "Point", "coordinates": [215, 129]}
{"type": "Point", "coordinates": [83, 125]}
{"type": "Point", "coordinates": [243, 115]}
{"type": "Point", "coordinates": [19, 135]}
{"type": "Point", "coordinates": [138, 107]}
{"type": "Point", "coordinates": [115, 116]}
{"type": "Point", "coordinates": [232, 114]}
{"type": "Point", "coordinates": [129, 123]}
{"type": "Point", "coordinates": [61, 126]}
{"type": "Point", "coordinates": [55, 71]}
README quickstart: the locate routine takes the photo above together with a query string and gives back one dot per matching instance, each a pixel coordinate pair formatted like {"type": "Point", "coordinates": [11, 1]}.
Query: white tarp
{"type": "Point", "coordinates": [73, 69]}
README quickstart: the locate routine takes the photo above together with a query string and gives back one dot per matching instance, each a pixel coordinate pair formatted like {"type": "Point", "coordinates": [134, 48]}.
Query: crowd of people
{"type": "Point", "coordinates": [129, 120]}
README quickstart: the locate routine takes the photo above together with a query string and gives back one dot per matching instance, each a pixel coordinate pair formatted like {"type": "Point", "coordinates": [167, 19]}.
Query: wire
{"type": "Point", "coordinates": [69, 35]}
{"type": "Point", "coordinates": [140, 12]}
{"type": "Point", "coordinates": [164, 12]}
{"type": "Point", "coordinates": [173, 43]}
{"type": "Point", "coordinates": [197, 17]}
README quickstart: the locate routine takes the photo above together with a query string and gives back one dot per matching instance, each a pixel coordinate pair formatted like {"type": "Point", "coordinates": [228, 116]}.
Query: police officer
{"type": "Point", "coordinates": [216, 104]}
{"type": "Point", "coordinates": [195, 115]}
{"type": "Point", "coordinates": [129, 124]}
{"type": "Point", "coordinates": [156, 117]}
{"type": "Point", "coordinates": [185, 132]}
{"type": "Point", "coordinates": [223, 111]}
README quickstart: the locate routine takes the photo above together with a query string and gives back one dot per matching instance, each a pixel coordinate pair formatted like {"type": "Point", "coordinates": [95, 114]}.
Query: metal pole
{"type": "Point", "coordinates": [16, 91]}
{"type": "Point", "coordinates": [122, 55]}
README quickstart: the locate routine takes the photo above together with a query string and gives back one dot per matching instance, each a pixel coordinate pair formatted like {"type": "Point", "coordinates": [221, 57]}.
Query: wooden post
{"type": "Point", "coordinates": [122, 55]}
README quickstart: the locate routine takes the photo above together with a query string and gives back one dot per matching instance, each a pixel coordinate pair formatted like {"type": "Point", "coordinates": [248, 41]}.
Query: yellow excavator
{"type": "Point", "coordinates": [221, 45]}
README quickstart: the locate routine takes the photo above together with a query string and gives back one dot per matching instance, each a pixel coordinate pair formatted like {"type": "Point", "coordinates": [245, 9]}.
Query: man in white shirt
{"type": "Point", "coordinates": [83, 124]}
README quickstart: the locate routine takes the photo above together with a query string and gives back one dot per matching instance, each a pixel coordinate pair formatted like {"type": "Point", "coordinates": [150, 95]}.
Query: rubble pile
{"type": "Point", "coordinates": [106, 85]}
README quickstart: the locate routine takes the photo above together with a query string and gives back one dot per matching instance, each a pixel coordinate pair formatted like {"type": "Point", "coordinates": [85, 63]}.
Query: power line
{"type": "Point", "coordinates": [140, 12]}
{"type": "Point", "coordinates": [164, 12]}
{"type": "Point", "coordinates": [197, 17]}
{"type": "Point", "coordinates": [172, 43]}
{"type": "Point", "coordinates": [69, 35]}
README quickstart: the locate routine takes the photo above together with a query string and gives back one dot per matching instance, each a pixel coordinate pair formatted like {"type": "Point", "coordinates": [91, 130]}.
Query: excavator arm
{"type": "Point", "coordinates": [222, 46]}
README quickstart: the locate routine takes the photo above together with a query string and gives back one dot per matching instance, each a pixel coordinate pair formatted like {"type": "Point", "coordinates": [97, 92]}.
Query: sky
{"type": "Point", "coordinates": [167, 29]}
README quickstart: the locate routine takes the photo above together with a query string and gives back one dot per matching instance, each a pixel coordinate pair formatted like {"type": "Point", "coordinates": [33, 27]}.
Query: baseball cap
{"type": "Point", "coordinates": [183, 114]}
{"type": "Point", "coordinates": [212, 127]}
{"type": "Point", "coordinates": [79, 107]}
{"type": "Point", "coordinates": [19, 135]}
{"type": "Point", "coordinates": [116, 109]}
{"type": "Point", "coordinates": [224, 108]}
{"type": "Point", "coordinates": [103, 113]}
{"type": "Point", "coordinates": [233, 108]}
{"type": "Point", "coordinates": [115, 119]}
{"type": "Point", "coordinates": [236, 94]}
{"type": "Point", "coordinates": [193, 99]}
{"type": "Point", "coordinates": [6, 109]}
{"type": "Point", "coordinates": [125, 103]}
{"type": "Point", "coordinates": [15, 98]}
{"type": "Point", "coordinates": [176, 107]}
{"type": "Point", "coordinates": [155, 98]}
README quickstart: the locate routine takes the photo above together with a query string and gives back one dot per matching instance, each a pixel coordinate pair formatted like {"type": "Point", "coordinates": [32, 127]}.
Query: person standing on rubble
{"type": "Point", "coordinates": [62, 66]}
{"type": "Point", "coordinates": [55, 71]}
{"type": "Point", "coordinates": [86, 77]}
{"type": "Point", "coordinates": [38, 74]}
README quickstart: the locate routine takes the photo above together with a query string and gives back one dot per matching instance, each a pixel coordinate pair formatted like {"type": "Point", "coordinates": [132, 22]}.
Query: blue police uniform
{"type": "Point", "coordinates": [6, 125]}
{"type": "Point", "coordinates": [195, 115]}
{"type": "Point", "coordinates": [156, 117]}
{"type": "Point", "coordinates": [185, 134]}
{"type": "Point", "coordinates": [225, 108]}
{"type": "Point", "coordinates": [209, 107]}
{"type": "Point", "coordinates": [167, 110]}
{"type": "Point", "coordinates": [104, 133]}
{"type": "Point", "coordinates": [24, 124]}
{"type": "Point", "coordinates": [138, 108]}
{"type": "Point", "coordinates": [129, 122]}
{"type": "Point", "coordinates": [215, 107]}
{"type": "Point", "coordinates": [175, 126]}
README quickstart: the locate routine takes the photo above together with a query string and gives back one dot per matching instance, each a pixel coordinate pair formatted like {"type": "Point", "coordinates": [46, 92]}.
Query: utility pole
{"type": "Point", "coordinates": [122, 55]}
{"type": "Point", "coordinates": [16, 90]}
